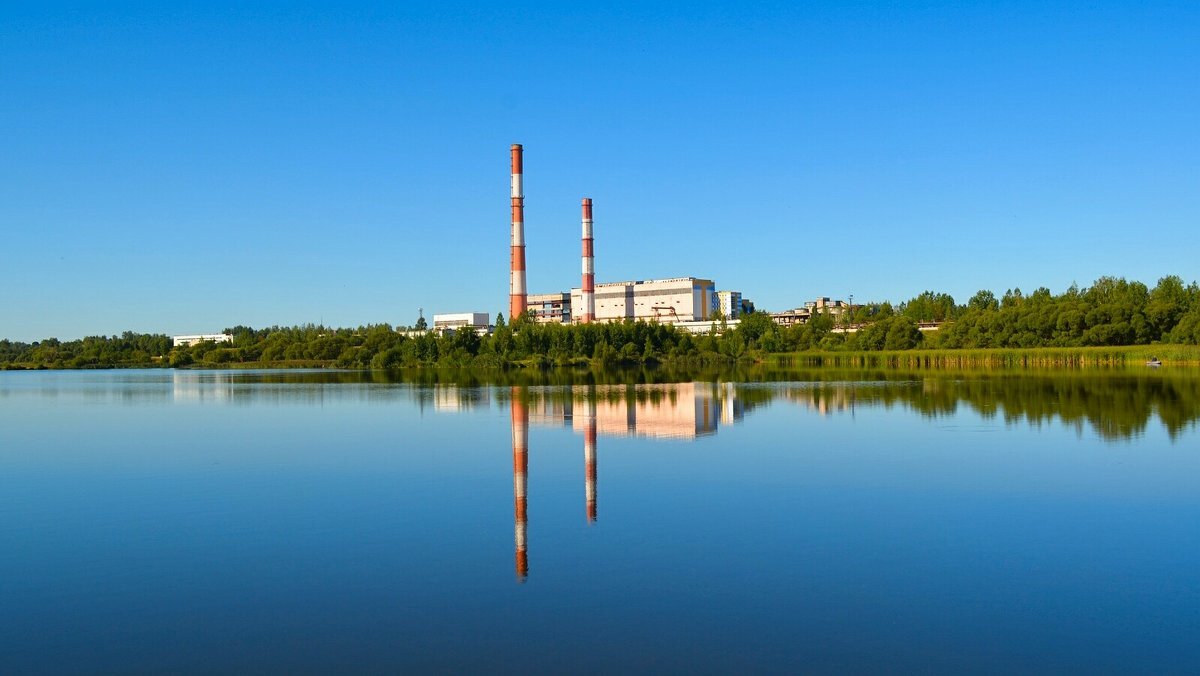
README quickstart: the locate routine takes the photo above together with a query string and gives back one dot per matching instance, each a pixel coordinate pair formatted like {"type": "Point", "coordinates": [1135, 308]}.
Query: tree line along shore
{"type": "Point", "coordinates": [1112, 322]}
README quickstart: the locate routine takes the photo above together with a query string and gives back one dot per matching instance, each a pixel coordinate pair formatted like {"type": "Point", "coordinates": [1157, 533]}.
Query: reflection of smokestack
{"type": "Point", "coordinates": [520, 448]}
{"type": "Point", "coordinates": [589, 266]}
{"type": "Point", "coordinates": [589, 460]}
{"type": "Point", "coordinates": [516, 275]}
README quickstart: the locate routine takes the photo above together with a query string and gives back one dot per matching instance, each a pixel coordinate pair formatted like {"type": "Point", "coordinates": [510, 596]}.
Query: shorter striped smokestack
{"type": "Point", "coordinates": [520, 449]}
{"type": "Point", "coordinates": [517, 296]}
{"type": "Point", "coordinates": [589, 266]}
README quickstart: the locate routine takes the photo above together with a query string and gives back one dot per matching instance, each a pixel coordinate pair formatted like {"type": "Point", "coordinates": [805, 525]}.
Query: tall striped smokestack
{"type": "Point", "coordinates": [589, 458]}
{"type": "Point", "coordinates": [520, 449]}
{"type": "Point", "coordinates": [589, 266]}
{"type": "Point", "coordinates": [517, 294]}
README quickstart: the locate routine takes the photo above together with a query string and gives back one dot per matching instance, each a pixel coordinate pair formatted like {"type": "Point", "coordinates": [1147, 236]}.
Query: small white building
{"type": "Point", "coordinates": [188, 341]}
{"type": "Point", "coordinates": [731, 303]}
{"type": "Point", "coordinates": [706, 327]}
{"type": "Point", "coordinates": [478, 321]}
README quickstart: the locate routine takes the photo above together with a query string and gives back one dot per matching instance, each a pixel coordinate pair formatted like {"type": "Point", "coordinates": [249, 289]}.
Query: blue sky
{"type": "Point", "coordinates": [184, 169]}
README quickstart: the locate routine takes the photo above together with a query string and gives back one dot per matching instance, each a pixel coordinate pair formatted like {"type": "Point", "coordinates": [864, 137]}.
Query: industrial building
{"type": "Point", "coordinates": [679, 299]}
{"type": "Point", "coordinates": [550, 308]}
{"type": "Point", "coordinates": [478, 321]}
{"type": "Point", "coordinates": [824, 305]}
{"type": "Point", "coordinates": [667, 301]}
{"type": "Point", "coordinates": [733, 305]}
{"type": "Point", "coordinates": [801, 315]}
{"type": "Point", "coordinates": [730, 303]}
{"type": "Point", "coordinates": [188, 341]}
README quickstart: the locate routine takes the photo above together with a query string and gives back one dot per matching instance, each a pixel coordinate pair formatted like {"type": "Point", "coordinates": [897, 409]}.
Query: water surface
{"type": "Point", "coordinates": [829, 522]}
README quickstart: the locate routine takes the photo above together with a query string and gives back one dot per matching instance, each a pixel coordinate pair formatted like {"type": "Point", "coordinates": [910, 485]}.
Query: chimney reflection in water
{"type": "Point", "coordinates": [520, 449]}
{"type": "Point", "coordinates": [589, 457]}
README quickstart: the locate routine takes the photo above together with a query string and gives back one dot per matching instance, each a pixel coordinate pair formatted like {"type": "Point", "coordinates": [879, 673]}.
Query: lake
{"type": "Point", "coordinates": [820, 521]}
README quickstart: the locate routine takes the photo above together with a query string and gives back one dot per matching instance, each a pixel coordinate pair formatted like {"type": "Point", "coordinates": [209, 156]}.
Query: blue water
{"type": "Point", "coordinates": [159, 521]}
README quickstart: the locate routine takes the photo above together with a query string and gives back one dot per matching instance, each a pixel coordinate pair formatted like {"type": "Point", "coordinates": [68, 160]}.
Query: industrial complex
{"type": "Point", "coordinates": [689, 303]}
{"type": "Point", "coordinates": [677, 300]}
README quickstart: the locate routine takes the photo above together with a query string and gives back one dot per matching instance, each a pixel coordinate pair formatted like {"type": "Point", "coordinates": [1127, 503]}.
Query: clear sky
{"type": "Point", "coordinates": [185, 169]}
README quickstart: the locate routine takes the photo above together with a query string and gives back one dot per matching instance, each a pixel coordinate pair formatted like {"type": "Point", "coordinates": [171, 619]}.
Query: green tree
{"type": "Point", "coordinates": [983, 300]}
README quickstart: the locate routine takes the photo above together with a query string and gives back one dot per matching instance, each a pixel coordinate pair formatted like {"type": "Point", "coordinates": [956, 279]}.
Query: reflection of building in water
{"type": "Point", "coordinates": [452, 399]}
{"type": "Point", "coordinates": [680, 411]}
{"type": "Point", "coordinates": [549, 411]}
{"type": "Point", "coordinates": [824, 399]}
{"type": "Point", "coordinates": [201, 385]}
{"type": "Point", "coordinates": [732, 409]}
{"type": "Point", "coordinates": [676, 411]}
{"type": "Point", "coordinates": [520, 450]}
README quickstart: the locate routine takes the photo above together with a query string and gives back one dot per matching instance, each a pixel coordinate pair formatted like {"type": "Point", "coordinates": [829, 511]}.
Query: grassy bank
{"type": "Point", "coordinates": [1043, 357]}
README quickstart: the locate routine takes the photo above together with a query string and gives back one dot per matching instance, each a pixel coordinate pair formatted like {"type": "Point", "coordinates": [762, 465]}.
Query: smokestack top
{"type": "Point", "coordinates": [587, 208]}
{"type": "Point", "coordinates": [517, 151]}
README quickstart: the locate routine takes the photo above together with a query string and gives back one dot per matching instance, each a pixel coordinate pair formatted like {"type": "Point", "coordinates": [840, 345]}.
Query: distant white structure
{"type": "Point", "coordinates": [705, 327]}
{"type": "Point", "coordinates": [188, 341]}
{"type": "Point", "coordinates": [731, 303]}
{"type": "Point", "coordinates": [801, 315]}
{"type": "Point", "coordinates": [458, 320]}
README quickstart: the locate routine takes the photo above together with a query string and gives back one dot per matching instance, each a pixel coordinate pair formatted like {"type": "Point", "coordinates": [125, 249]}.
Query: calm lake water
{"type": "Point", "coordinates": [239, 521]}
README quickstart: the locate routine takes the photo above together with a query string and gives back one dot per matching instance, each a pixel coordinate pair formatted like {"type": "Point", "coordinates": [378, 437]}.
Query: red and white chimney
{"type": "Point", "coordinates": [520, 449]}
{"type": "Point", "coordinates": [588, 311]}
{"type": "Point", "coordinates": [517, 294]}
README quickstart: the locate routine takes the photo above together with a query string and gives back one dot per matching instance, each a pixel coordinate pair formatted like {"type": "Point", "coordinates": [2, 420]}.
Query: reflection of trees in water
{"type": "Point", "coordinates": [1115, 406]}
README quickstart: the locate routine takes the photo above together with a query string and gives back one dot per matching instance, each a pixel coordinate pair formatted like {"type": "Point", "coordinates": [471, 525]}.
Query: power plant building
{"type": "Point", "coordinates": [188, 341]}
{"type": "Point", "coordinates": [667, 301]}
{"type": "Point", "coordinates": [731, 303]}
{"type": "Point", "coordinates": [478, 321]}
{"type": "Point", "coordinates": [550, 308]}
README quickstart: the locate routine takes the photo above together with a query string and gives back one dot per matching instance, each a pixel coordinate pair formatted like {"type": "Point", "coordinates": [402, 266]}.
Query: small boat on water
{"type": "Point", "coordinates": [1153, 362]}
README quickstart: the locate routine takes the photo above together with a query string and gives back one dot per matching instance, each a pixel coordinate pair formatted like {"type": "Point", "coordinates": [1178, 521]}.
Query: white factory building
{"type": "Point", "coordinates": [733, 305]}
{"type": "Point", "coordinates": [478, 321]}
{"type": "Point", "coordinates": [188, 341]}
{"type": "Point", "coordinates": [676, 300]}
{"type": "Point", "coordinates": [550, 308]}
{"type": "Point", "coordinates": [667, 301]}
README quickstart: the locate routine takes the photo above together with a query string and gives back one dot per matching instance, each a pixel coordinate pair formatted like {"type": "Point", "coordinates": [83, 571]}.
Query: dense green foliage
{"type": "Point", "coordinates": [128, 349]}
{"type": "Point", "coordinates": [382, 347]}
{"type": "Point", "coordinates": [1112, 312]}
